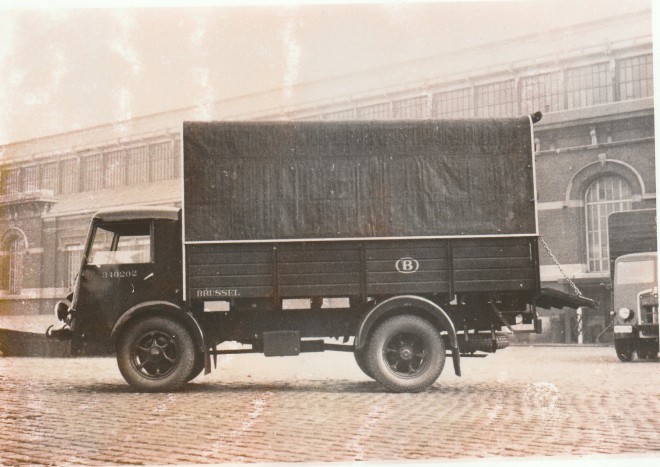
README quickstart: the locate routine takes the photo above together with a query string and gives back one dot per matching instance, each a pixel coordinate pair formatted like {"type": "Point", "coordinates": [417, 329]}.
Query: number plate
{"type": "Point", "coordinates": [622, 329]}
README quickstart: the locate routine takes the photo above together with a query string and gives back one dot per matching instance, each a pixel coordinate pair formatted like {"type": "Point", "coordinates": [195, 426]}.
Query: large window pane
{"type": "Point", "coordinates": [604, 196]}
{"type": "Point", "coordinates": [588, 85]}
{"type": "Point", "coordinates": [92, 167]}
{"type": "Point", "coordinates": [496, 99]}
{"type": "Point", "coordinates": [541, 92]}
{"type": "Point", "coordinates": [375, 112]}
{"type": "Point", "coordinates": [408, 109]}
{"type": "Point", "coordinates": [635, 77]}
{"type": "Point", "coordinates": [453, 104]}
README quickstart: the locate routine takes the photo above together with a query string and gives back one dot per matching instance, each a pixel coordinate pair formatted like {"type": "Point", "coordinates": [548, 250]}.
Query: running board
{"type": "Point", "coordinates": [305, 347]}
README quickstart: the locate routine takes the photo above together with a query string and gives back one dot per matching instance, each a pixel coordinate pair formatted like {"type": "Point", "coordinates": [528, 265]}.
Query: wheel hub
{"type": "Point", "coordinates": [155, 354]}
{"type": "Point", "coordinates": [406, 353]}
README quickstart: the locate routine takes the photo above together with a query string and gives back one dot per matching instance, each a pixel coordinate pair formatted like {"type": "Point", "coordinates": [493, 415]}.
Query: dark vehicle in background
{"type": "Point", "coordinates": [634, 269]}
{"type": "Point", "coordinates": [403, 241]}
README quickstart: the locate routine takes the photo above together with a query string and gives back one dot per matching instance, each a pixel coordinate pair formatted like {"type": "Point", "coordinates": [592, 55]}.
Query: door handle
{"type": "Point", "coordinates": [148, 276]}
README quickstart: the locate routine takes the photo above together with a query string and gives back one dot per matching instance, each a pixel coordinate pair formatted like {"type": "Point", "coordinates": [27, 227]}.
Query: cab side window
{"type": "Point", "coordinates": [121, 244]}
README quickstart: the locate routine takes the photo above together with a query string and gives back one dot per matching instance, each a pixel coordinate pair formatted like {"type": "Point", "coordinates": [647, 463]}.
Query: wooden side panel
{"type": "Point", "coordinates": [497, 264]}
{"type": "Point", "coordinates": [413, 266]}
{"type": "Point", "coordinates": [229, 271]}
{"type": "Point", "coordinates": [360, 268]}
{"type": "Point", "coordinates": [318, 269]}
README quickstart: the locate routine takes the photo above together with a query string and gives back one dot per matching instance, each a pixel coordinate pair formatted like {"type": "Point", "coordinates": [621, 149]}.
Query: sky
{"type": "Point", "coordinates": [63, 68]}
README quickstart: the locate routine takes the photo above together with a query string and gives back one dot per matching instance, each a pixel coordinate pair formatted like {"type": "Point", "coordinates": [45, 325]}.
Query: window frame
{"type": "Point", "coordinates": [625, 204]}
{"type": "Point", "coordinates": [119, 230]}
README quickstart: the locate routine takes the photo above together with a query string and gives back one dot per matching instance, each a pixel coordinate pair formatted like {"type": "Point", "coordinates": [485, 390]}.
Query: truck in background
{"type": "Point", "coordinates": [633, 250]}
{"type": "Point", "coordinates": [403, 241]}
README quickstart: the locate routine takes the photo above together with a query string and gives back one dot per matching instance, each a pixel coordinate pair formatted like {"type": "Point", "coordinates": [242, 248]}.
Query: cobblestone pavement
{"type": "Point", "coordinates": [541, 401]}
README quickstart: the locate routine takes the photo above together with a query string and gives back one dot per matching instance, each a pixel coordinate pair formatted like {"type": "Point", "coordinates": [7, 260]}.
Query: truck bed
{"type": "Point", "coordinates": [361, 269]}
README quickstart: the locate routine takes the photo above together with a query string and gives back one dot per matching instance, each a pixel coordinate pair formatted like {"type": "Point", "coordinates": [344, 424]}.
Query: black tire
{"type": "Point", "coordinates": [648, 350]}
{"type": "Point", "coordinates": [199, 366]}
{"type": "Point", "coordinates": [156, 354]}
{"type": "Point", "coordinates": [361, 360]}
{"type": "Point", "coordinates": [624, 351]}
{"type": "Point", "coordinates": [406, 354]}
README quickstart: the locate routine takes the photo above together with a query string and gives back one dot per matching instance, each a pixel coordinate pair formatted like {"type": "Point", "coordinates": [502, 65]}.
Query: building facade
{"type": "Point", "coordinates": [595, 154]}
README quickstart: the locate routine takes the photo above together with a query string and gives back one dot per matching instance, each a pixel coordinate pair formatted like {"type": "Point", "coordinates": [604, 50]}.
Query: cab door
{"type": "Point", "coordinates": [117, 273]}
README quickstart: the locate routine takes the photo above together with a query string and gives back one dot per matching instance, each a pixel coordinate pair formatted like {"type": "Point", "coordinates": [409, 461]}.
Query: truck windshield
{"type": "Point", "coordinates": [635, 272]}
{"type": "Point", "coordinates": [120, 244]}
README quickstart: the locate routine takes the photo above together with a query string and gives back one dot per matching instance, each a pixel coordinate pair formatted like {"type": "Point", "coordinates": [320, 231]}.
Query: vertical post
{"type": "Point", "coordinates": [580, 329]}
{"type": "Point", "coordinates": [276, 278]}
{"type": "Point", "coordinates": [450, 262]}
{"type": "Point", "coordinates": [363, 273]}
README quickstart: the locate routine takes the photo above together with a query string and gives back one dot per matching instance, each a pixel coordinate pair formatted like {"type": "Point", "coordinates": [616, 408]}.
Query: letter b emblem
{"type": "Point", "coordinates": [406, 265]}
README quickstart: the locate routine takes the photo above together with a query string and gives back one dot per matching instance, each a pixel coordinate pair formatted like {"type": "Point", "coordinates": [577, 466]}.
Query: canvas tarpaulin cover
{"type": "Point", "coordinates": [325, 180]}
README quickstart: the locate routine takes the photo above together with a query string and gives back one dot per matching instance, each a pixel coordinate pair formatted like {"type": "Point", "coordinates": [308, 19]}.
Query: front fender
{"type": "Point", "coordinates": [418, 305]}
{"type": "Point", "coordinates": [162, 308]}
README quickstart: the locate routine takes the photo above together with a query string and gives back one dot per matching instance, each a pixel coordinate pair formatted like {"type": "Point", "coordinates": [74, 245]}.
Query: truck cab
{"type": "Point", "coordinates": [635, 303]}
{"type": "Point", "coordinates": [132, 260]}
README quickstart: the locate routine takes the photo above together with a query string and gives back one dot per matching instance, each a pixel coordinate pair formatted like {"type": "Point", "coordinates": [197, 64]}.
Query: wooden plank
{"type": "Point", "coordinates": [317, 246]}
{"type": "Point", "coordinates": [492, 241]}
{"type": "Point", "coordinates": [230, 281]}
{"type": "Point", "coordinates": [230, 258]}
{"type": "Point", "coordinates": [229, 248]}
{"type": "Point", "coordinates": [424, 265]}
{"type": "Point", "coordinates": [492, 263]}
{"type": "Point", "coordinates": [395, 253]}
{"type": "Point", "coordinates": [244, 292]}
{"type": "Point", "coordinates": [319, 279]}
{"type": "Point", "coordinates": [402, 288]}
{"type": "Point", "coordinates": [397, 277]}
{"type": "Point", "coordinates": [318, 267]}
{"type": "Point", "coordinates": [506, 251]}
{"type": "Point", "coordinates": [336, 290]}
{"type": "Point", "coordinates": [494, 285]}
{"type": "Point", "coordinates": [318, 256]}
{"type": "Point", "coordinates": [493, 274]}
{"type": "Point", "coordinates": [230, 269]}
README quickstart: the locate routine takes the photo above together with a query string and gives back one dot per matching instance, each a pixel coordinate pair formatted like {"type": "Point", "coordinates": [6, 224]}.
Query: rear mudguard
{"type": "Point", "coordinates": [415, 305]}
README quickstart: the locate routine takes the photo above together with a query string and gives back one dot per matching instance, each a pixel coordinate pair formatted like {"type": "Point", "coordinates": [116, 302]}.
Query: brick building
{"type": "Point", "coordinates": [594, 146]}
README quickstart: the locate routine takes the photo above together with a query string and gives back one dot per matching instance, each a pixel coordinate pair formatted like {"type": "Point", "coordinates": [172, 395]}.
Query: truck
{"type": "Point", "coordinates": [633, 250]}
{"type": "Point", "coordinates": [402, 242]}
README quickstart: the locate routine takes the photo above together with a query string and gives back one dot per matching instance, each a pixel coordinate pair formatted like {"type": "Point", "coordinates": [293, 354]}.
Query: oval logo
{"type": "Point", "coordinates": [406, 265]}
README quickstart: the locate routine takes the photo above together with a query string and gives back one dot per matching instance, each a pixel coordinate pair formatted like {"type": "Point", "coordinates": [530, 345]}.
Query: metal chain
{"type": "Point", "coordinates": [556, 261]}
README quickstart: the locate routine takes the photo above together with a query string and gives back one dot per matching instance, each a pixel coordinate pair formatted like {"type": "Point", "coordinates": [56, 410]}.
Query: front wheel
{"type": "Point", "coordinates": [406, 354]}
{"type": "Point", "coordinates": [156, 354]}
{"type": "Point", "coordinates": [361, 360]}
{"type": "Point", "coordinates": [624, 351]}
{"type": "Point", "coordinates": [199, 366]}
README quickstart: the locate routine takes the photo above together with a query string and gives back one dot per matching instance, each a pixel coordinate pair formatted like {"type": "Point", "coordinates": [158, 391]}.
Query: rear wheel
{"type": "Point", "coordinates": [156, 354]}
{"type": "Point", "coordinates": [406, 354]}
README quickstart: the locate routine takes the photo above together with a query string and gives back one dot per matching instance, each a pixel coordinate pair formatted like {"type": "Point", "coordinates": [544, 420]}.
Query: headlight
{"type": "Point", "coordinates": [625, 314]}
{"type": "Point", "coordinates": [62, 310]}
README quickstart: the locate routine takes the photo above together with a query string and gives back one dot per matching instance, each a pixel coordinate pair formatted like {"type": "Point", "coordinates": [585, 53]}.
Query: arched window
{"type": "Point", "coordinates": [14, 249]}
{"type": "Point", "coordinates": [608, 194]}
